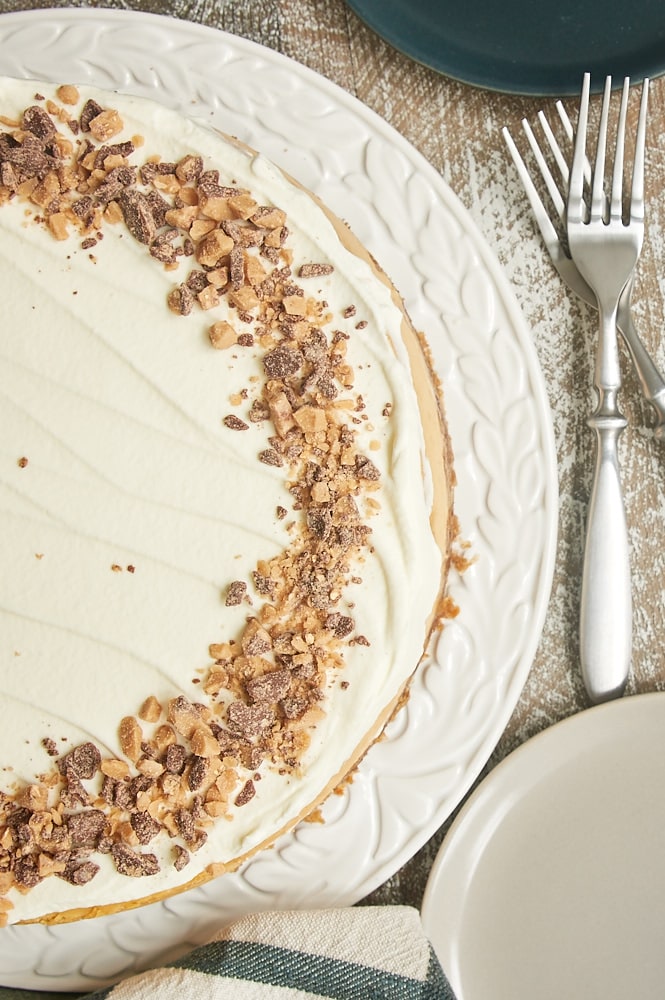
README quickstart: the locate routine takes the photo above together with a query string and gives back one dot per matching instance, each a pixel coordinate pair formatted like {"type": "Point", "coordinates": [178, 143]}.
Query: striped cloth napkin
{"type": "Point", "coordinates": [358, 953]}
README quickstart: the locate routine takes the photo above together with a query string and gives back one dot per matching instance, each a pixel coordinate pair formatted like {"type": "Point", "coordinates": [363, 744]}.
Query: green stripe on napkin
{"type": "Point", "coordinates": [321, 977]}
{"type": "Point", "coordinates": [358, 953]}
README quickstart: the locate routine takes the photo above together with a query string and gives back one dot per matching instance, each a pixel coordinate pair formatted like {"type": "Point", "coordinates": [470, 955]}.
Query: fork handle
{"type": "Point", "coordinates": [606, 604]}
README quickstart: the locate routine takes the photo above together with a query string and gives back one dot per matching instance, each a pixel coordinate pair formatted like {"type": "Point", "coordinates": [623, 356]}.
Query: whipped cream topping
{"type": "Point", "coordinates": [129, 505]}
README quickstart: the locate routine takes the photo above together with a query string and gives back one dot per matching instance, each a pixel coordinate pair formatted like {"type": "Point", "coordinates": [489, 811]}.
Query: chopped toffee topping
{"type": "Point", "coordinates": [182, 765]}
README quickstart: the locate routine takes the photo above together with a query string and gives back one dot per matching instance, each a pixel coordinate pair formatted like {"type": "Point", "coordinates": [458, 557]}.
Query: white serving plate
{"type": "Point", "coordinates": [500, 424]}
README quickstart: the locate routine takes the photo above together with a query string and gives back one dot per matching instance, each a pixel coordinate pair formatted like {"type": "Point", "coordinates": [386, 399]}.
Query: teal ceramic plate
{"type": "Point", "coordinates": [525, 46]}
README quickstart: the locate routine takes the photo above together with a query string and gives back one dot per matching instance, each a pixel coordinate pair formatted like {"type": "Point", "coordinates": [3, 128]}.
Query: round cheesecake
{"type": "Point", "coordinates": [226, 502]}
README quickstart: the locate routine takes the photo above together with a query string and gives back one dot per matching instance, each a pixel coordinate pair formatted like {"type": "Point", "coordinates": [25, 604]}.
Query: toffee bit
{"type": "Point", "coordinates": [68, 94]}
{"type": "Point", "coordinates": [37, 121]}
{"type": "Point", "coordinates": [163, 250]}
{"type": "Point", "coordinates": [144, 826]}
{"type": "Point", "coordinates": [181, 857]}
{"type": "Point", "coordinates": [315, 270]}
{"type": "Point", "coordinates": [181, 300]}
{"type": "Point", "coordinates": [246, 793]}
{"type": "Point", "coordinates": [319, 522]}
{"type": "Point", "coordinates": [90, 110]}
{"type": "Point", "coordinates": [259, 411]}
{"type": "Point", "coordinates": [176, 758]}
{"type": "Point", "coordinates": [50, 746]}
{"type": "Point", "coordinates": [234, 423]}
{"type": "Point", "coordinates": [138, 215]}
{"type": "Point", "coordinates": [26, 872]}
{"type": "Point", "coordinates": [186, 826]}
{"type": "Point", "coordinates": [105, 125]}
{"type": "Point", "coordinates": [74, 794]}
{"type": "Point", "coordinates": [86, 828]}
{"type": "Point", "coordinates": [236, 267]}
{"type": "Point", "coordinates": [366, 469]}
{"type": "Point", "coordinates": [115, 183]}
{"type": "Point", "coordinates": [128, 862]}
{"type": "Point", "coordinates": [271, 457]}
{"type": "Point", "coordinates": [236, 593]}
{"type": "Point", "coordinates": [283, 361]}
{"type": "Point", "coordinates": [197, 281]}
{"type": "Point", "coordinates": [249, 721]}
{"type": "Point", "coordinates": [79, 874]}
{"type": "Point", "coordinates": [222, 335]}
{"type": "Point", "coordinates": [270, 687]}
{"type": "Point", "coordinates": [198, 772]}
{"type": "Point", "coordinates": [269, 218]}
{"type": "Point", "coordinates": [264, 585]}
{"type": "Point", "coordinates": [130, 736]}
{"type": "Point", "coordinates": [81, 762]}
{"type": "Point", "coordinates": [189, 168]}
{"type": "Point", "coordinates": [339, 624]}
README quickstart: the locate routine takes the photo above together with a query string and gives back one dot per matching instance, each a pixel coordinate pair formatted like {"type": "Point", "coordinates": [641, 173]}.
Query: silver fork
{"type": "Point", "coordinates": [606, 250]}
{"type": "Point", "coordinates": [651, 381]}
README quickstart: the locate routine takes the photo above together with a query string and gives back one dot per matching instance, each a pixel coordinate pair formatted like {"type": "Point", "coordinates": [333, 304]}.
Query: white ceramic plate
{"type": "Point", "coordinates": [501, 430]}
{"type": "Point", "coordinates": [551, 881]}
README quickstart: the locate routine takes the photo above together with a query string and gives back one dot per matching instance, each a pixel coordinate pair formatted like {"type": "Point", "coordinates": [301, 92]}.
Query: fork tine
{"type": "Point", "coordinates": [616, 202]}
{"type": "Point", "coordinates": [565, 120]}
{"type": "Point", "coordinates": [557, 153]}
{"type": "Point", "coordinates": [555, 247]}
{"type": "Point", "coordinates": [598, 202]}
{"type": "Point", "coordinates": [576, 187]}
{"type": "Point", "coordinates": [543, 166]}
{"type": "Point", "coordinates": [637, 192]}
{"type": "Point", "coordinates": [568, 129]}
{"type": "Point", "coordinates": [542, 218]}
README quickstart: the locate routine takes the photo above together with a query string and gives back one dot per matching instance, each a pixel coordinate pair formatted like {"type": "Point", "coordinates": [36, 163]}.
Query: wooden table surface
{"type": "Point", "coordinates": [458, 129]}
